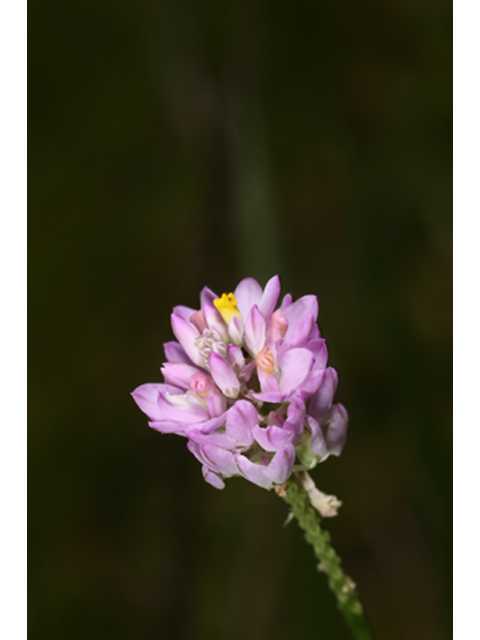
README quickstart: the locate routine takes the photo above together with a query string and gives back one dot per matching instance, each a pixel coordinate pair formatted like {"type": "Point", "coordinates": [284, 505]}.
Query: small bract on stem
{"type": "Point", "coordinates": [344, 588]}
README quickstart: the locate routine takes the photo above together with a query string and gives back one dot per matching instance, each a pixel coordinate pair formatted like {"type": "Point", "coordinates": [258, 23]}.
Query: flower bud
{"type": "Point", "coordinates": [277, 327]}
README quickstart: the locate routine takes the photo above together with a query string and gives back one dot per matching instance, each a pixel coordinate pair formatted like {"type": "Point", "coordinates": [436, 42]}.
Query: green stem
{"type": "Point", "coordinates": [343, 587]}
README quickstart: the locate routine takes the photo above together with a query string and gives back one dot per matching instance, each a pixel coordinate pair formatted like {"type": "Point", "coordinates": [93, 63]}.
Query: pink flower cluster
{"type": "Point", "coordinates": [248, 385]}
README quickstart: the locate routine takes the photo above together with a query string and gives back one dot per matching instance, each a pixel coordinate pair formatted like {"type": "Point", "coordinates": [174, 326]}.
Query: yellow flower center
{"type": "Point", "coordinates": [227, 307]}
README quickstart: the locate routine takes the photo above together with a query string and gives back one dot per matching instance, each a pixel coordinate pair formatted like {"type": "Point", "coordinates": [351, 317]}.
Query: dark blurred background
{"type": "Point", "coordinates": [175, 144]}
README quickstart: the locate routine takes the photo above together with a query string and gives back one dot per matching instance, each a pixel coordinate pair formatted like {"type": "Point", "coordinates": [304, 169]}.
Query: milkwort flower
{"type": "Point", "coordinates": [248, 386]}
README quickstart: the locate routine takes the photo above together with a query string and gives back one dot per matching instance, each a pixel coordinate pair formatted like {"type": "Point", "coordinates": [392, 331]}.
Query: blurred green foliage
{"type": "Point", "coordinates": [177, 144]}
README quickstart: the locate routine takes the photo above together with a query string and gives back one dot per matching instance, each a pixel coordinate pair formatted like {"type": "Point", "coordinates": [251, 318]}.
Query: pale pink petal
{"type": "Point", "coordinates": [179, 373]}
{"type": "Point", "coordinates": [296, 312]}
{"type": "Point", "coordinates": [268, 384]}
{"type": "Point", "coordinates": [146, 396]}
{"type": "Point", "coordinates": [314, 333]}
{"type": "Point", "coordinates": [321, 400]}
{"type": "Point", "coordinates": [247, 293]}
{"type": "Point", "coordinates": [275, 419]}
{"type": "Point", "coordinates": [212, 478]}
{"type": "Point", "coordinates": [184, 312]}
{"type": "Point", "coordinates": [317, 442]}
{"type": "Point", "coordinates": [219, 460]}
{"type": "Point", "coordinates": [223, 375]}
{"type": "Point", "coordinates": [311, 383]}
{"type": "Point", "coordinates": [216, 438]}
{"type": "Point", "coordinates": [216, 404]}
{"type": "Point", "coordinates": [216, 459]}
{"type": "Point", "coordinates": [195, 448]}
{"type": "Point", "coordinates": [336, 429]}
{"type": "Point", "coordinates": [215, 322]}
{"type": "Point", "coordinates": [272, 438]}
{"type": "Point", "coordinates": [286, 302]}
{"type": "Point", "coordinates": [214, 423]}
{"type": "Point", "coordinates": [253, 472]}
{"type": "Point", "coordinates": [186, 333]}
{"type": "Point", "coordinates": [255, 330]}
{"type": "Point", "coordinates": [174, 352]}
{"type": "Point", "coordinates": [297, 334]}
{"type": "Point", "coordinates": [281, 465]}
{"type": "Point", "coordinates": [270, 396]}
{"type": "Point", "coordinates": [235, 357]}
{"type": "Point", "coordinates": [276, 328]}
{"type": "Point", "coordinates": [269, 297]}
{"type": "Point", "coordinates": [235, 330]}
{"type": "Point", "coordinates": [184, 413]}
{"type": "Point", "coordinates": [167, 426]}
{"type": "Point", "coordinates": [241, 419]}
{"type": "Point", "coordinates": [319, 349]}
{"type": "Point", "coordinates": [295, 420]}
{"type": "Point", "coordinates": [207, 296]}
{"type": "Point", "coordinates": [246, 373]}
{"type": "Point", "coordinates": [295, 366]}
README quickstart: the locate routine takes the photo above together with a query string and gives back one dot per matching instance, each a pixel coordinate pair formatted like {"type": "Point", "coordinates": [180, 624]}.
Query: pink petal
{"type": "Point", "coordinates": [253, 472]}
{"type": "Point", "coordinates": [295, 420]}
{"type": "Point", "coordinates": [321, 401]}
{"type": "Point", "coordinates": [318, 347]}
{"type": "Point", "coordinates": [179, 373]}
{"type": "Point", "coordinates": [314, 333]}
{"type": "Point", "coordinates": [216, 459]}
{"type": "Point", "coordinates": [185, 414]}
{"type": "Point", "coordinates": [212, 478]}
{"type": "Point", "coordinates": [241, 419]}
{"type": "Point", "coordinates": [269, 297]}
{"type": "Point", "coordinates": [186, 334]}
{"type": "Point", "coordinates": [276, 328]}
{"type": "Point", "coordinates": [247, 293]}
{"type": "Point", "coordinates": [235, 330]}
{"type": "Point", "coordinates": [268, 384]}
{"type": "Point", "coordinates": [295, 367]}
{"type": "Point", "coordinates": [215, 322]}
{"type": "Point", "coordinates": [255, 330]}
{"type": "Point", "coordinates": [174, 352]}
{"type": "Point", "coordinates": [311, 383]}
{"type": "Point", "coordinates": [246, 373]}
{"type": "Point", "coordinates": [281, 465]}
{"type": "Point", "coordinates": [207, 296]}
{"type": "Point", "coordinates": [274, 419]}
{"type": "Point", "coordinates": [297, 334]}
{"type": "Point", "coordinates": [272, 438]}
{"type": "Point", "coordinates": [307, 305]}
{"type": "Point", "coordinates": [235, 357]}
{"type": "Point", "coordinates": [217, 439]}
{"type": "Point", "coordinates": [195, 448]}
{"type": "Point", "coordinates": [223, 375]}
{"type": "Point", "coordinates": [146, 396]}
{"type": "Point", "coordinates": [317, 442]}
{"type": "Point", "coordinates": [336, 429]}
{"type": "Point", "coordinates": [270, 396]}
{"type": "Point", "coordinates": [166, 426]}
{"type": "Point", "coordinates": [216, 404]}
{"type": "Point", "coordinates": [184, 312]}
{"type": "Point", "coordinates": [214, 423]}
{"type": "Point", "coordinates": [219, 460]}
